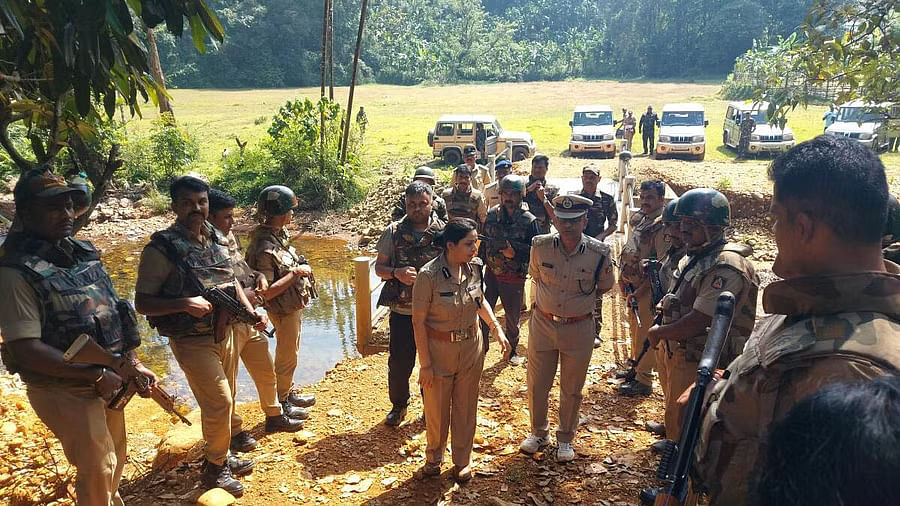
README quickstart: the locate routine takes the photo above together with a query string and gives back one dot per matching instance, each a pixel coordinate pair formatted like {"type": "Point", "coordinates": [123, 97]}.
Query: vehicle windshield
{"type": "Point", "coordinates": [497, 128]}
{"type": "Point", "coordinates": [759, 117]}
{"type": "Point", "coordinates": [692, 118]}
{"type": "Point", "coordinates": [593, 118]}
{"type": "Point", "coordinates": [857, 115]}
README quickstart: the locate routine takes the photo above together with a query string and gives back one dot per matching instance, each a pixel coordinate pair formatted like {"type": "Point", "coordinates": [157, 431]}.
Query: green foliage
{"type": "Point", "coordinates": [723, 184]}
{"type": "Point", "coordinates": [159, 158]}
{"type": "Point", "coordinates": [156, 201]}
{"type": "Point", "coordinates": [734, 90]}
{"type": "Point", "coordinates": [293, 156]}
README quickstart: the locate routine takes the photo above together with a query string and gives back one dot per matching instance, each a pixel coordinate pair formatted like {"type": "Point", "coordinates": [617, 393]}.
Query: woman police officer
{"type": "Point", "coordinates": [447, 301]}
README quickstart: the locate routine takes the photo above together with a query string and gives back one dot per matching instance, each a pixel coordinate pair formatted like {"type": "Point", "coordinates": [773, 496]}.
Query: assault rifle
{"type": "Point", "coordinates": [657, 295]}
{"type": "Point", "coordinates": [512, 242]}
{"type": "Point", "coordinates": [629, 290]}
{"type": "Point", "coordinates": [86, 351]}
{"type": "Point", "coordinates": [677, 457]}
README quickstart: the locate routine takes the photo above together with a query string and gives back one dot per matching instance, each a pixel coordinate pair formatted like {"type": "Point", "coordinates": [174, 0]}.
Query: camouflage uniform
{"type": "Point", "coordinates": [505, 277]}
{"type": "Point", "coordinates": [56, 293]}
{"type": "Point", "coordinates": [270, 253]}
{"type": "Point", "coordinates": [465, 205]}
{"type": "Point", "coordinates": [601, 214]}
{"type": "Point", "coordinates": [404, 248]}
{"type": "Point", "coordinates": [536, 207]}
{"type": "Point", "coordinates": [207, 364]}
{"type": "Point", "coordinates": [748, 125]}
{"type": "Point", "coordinates": [822, 330]}
{"type": "Point", "coordinates": [438, 207]}
{"type": "Point", "coordinates": [701, 278]}
{"type": "Point", "coordinates": [647, 241]}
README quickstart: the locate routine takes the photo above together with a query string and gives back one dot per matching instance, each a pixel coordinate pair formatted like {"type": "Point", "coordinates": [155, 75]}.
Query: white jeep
{"type": "Point", "coordinates": [765, 139]}
{"type": "Point", "coordinates": [593, 130]}
{"type": "Point", "coordinates": [682, 131]}
{"type": "Point", "coordinates": [867, 123]}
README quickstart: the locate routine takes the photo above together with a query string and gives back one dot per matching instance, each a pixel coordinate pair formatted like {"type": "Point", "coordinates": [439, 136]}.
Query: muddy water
{"type": "Point", "coordinates": [328, 331]}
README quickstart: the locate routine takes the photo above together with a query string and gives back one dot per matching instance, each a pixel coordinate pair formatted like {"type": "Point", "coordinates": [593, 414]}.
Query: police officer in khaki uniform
{"type": "Point", "coordinates": [602, 221]}
{"type": "Point", "coordinates": [647, 241]}
{"type": "Point", "coordinates": [481, 175]}
{"type": "Point", "coordinates": [447, 301]}
{"type": "Point", "coordinates": [567, 267]}
{"type": "Point", "coordinates": [711, 267]}
{"type": "Point", "coordinates": [462, 200]}
{"type": "Point", "coordinates": [178, 312]}
{"type": "Point", "coordinates": [46, 275]}
{"type": "Point", "coordinates": [426, 175]}
{"type": "Point", "coordinates": [290, 289]}
{"type": "Point", "coordinates": [492, 191]}
{"type": "Point", "coordinates": [249, 344]}
{"type": "Point", "coordinates": [833, 318]}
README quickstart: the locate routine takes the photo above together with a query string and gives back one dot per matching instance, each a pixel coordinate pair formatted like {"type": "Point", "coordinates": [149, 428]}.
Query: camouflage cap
{"type": "Point", "coordinates": [424, 172]}
{"type": "Point", "coordinates": [570, 206]}
{"type": "Point", "coordinates": [708, 206]}
{"type": "Point", "coordinates": [276, 200]}
{"type": "Point", "coordinates": [469, 149]}
{"type": "Point", "coordinates": [40, 184]}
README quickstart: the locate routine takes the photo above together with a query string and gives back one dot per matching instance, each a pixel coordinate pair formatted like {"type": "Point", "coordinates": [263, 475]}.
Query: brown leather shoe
{"type": "Point", "coordinates": [462, 475]}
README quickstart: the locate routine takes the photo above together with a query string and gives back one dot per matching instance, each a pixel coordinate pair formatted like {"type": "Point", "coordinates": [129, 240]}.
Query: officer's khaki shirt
{"type": "Point", "coordinates": [20, 315]}
{"type": "Point", "coordinates": [449, 303]}
{"type": "Point", "coordinates": [565, 282]}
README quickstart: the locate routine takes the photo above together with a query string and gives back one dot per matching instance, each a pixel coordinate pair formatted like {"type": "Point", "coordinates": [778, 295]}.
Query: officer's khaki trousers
{"type": "Point", "coordinates": [571, 346]}
{"type": "Point", "coordinates": [287, 345]}
{"type": "Point", "coordinates": [451, 402]}
{"type": "Point", "coordinates": [681, 374]}
{"type": "Point", "coordinates": [253, 350]}
{"type": "Point", "coordinates": [208, 366]}
{"type": "Point", "coordinates": [92, 437]}
{"type": "Point", "coordinates": [662, 366]}
{"type": "Point", "coordinates": [638, 335]}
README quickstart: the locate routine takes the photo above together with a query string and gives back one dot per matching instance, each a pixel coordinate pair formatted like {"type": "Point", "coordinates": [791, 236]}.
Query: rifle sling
{"type": "Point", "coordinates": [692, 263]}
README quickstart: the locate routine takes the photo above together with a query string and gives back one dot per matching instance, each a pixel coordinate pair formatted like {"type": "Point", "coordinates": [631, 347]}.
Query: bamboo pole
{"type": "Point", "coordinates": [359, 35]}
{"type": "Point", "coordinates": [322, 95]}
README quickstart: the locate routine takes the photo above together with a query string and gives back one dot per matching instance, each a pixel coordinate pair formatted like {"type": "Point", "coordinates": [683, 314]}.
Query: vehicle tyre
{"type": "Point", "coordinates": [519, 154]}
{"type": "Point", "coordinates": [452, 157]}
{"type": "Point", "coordinates": [725, 139]}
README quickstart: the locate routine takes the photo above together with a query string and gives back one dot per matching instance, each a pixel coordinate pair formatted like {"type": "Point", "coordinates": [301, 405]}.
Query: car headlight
{"type": "Point", "coordinates": [577, 137]}
{"type": "Point", "coordinates": [697, 138]}
{"type": "Point", "coordinates": [607, 137]}
{"type": "Point", "coordinates": [788, 136]}
{"type": "Point", "coordinates": [754, 137]}
{"type": "Point", "coordinates": [865, 136]}
{"type": "Point", "coordinates": [664, 138]}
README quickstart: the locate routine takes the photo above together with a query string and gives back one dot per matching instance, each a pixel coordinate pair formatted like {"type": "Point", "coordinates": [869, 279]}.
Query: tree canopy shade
{"type": "Point", "coordinates": [61, 59]}
{"type": "Point", "coordinates": [856, 43]}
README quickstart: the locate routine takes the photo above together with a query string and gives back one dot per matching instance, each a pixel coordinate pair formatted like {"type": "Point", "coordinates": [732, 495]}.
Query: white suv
{"type": "Point", "coordinates": [765, 139]}
{"type": "Point", "coordinates": [593, 130]}
{"type": "Point", "coordinates": [866, 123]}
{"type": "Point", "coordinates": [682, 131]}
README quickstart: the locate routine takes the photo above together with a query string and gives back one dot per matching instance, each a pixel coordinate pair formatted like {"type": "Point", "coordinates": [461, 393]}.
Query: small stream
{"type": "Point", "coordinates": [328, 332]}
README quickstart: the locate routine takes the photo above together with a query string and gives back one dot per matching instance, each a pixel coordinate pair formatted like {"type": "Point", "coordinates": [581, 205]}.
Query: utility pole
{"type": "Point", "coordinates": [322, 95]}
{"type": "Point", "coordinates": [331, 50]}
{"type": "Point", "coordinates": [359, 36]}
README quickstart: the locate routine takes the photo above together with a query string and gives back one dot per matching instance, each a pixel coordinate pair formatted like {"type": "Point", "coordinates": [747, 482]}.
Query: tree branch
{"type": "Point", "coordinates": [21, 162]}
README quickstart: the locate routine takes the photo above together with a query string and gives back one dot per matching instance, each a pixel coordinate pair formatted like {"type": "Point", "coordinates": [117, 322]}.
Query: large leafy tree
{"type": "Point", "coordinates": [64, 64]}
{"type": "Point", "coordinates": [855, 43]}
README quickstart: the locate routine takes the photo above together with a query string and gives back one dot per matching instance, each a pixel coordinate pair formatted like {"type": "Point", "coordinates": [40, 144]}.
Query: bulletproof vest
{"type": "Point", "coordinates": [536, 207]}
{"type": "Point", "coordinates": [679, 304]}
{"type": "Point", "coordinates": [409, 253]}
{"type": "Point", "coordinates": [210, 264]}
{"type": "Point", "coordinates": [462, 205]}
{"type": "Point", "coordinates": [265, 240]}
{"type": "Point", "coordinates": [519, 227]}
{"type": "Point", "coordinates": [244, 274]}
{"type": "Point", "coordinates": [596, 215]}
{"type": "Point", "coordinates": [76, 295]}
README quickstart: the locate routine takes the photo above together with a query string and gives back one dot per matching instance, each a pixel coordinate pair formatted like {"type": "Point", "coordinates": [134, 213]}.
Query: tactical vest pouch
{"type": "Point", "coordinates": [131, 337]}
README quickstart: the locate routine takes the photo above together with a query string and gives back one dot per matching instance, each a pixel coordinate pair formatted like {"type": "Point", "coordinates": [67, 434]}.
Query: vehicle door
{"type": "Point", "coordinates": [465, 133]}
{"type": "Point", "coordinates": [444, 134]}
{"type": "Point", "coordinates": [732, 126]}
{"type": "Point", "coordinates": [490, 142]}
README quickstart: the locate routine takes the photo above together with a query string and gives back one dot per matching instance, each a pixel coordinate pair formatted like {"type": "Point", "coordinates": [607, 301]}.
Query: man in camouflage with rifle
{"type": "Point", "coordinates": [403, 248]}
{"type": "Point", "coordinates": [462, 200]}
{"type": "Point", "coordinates": [190, 250]}
{"type": "Point", "coordinates": [602, 219]}
{"type": "Point", "coordinates": [646, 242]}
{"type": "Point", "coordinates": [291, 286]}
{"type": "Point", "coordinates": [506, 248]}
{"type": "Point", "coordinates": [58, 290]}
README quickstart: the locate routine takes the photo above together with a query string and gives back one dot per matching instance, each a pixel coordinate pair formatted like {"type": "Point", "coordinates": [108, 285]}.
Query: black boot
{"type": "Point", "coordinates": [239, 467]}
{"type": "Point", "coordinates": [395, 417]}
{"type": "Point", "coordinates": [220, 477]}
{"type": "Point", "coordinates": [295, 411]}
{"type": "Point", "coordinates": [303, 401]}
{"type": "Point", "coordinates": [634, 388]}
{"type": "Point", "coordinates": [648, 495]}
{"type": "Point", "coordinates": [655, 428]}
{"type": "Point", "coordinates": [282, 423]}
{"type": "Point", "coordinates": [242, 442]}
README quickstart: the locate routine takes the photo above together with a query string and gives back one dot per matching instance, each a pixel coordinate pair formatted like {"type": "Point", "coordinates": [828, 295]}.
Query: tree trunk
{"type": "Point", "coordinates": [99, 171]}
{"type": "Point", "coordinates": [156, 71]}
{"type": "Point", "coordinates": [331, 50]}
{"type": "Point", "coordinates": [359, 36]}
{"type": "Point", "coordinates": [322, 95]}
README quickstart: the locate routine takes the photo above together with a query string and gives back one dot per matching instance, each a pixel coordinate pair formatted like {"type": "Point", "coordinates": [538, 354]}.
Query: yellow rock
{"type": "Point", "coordinates": [215, 497]}
{"type": "Point", "coordinates": [8, 428]}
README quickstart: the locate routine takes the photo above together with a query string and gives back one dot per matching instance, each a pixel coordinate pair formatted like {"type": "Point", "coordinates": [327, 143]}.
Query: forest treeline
{"type": "Point", "coordinates": [278, 43]}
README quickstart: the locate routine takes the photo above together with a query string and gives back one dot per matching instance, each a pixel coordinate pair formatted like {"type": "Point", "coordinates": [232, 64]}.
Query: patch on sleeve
{"type": "Point", "coordinates": [719, 282]}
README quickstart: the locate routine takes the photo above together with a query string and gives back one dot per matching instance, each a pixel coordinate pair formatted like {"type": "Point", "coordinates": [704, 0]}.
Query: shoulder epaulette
{"type": "Point", "coordinates": [596, 245]}
{"type": "Point", "coordinates": [542, 240]}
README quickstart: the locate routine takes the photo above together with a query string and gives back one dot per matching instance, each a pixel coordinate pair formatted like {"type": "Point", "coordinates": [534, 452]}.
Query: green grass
{"type": "Point", "coordinates": [400, 116]}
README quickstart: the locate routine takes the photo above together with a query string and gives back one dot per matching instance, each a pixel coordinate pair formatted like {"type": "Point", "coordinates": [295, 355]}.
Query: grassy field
{"type": "Point", "coordinates": [400, 116]}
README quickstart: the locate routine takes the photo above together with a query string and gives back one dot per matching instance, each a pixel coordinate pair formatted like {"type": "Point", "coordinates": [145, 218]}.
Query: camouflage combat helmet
{"type": "Point", "coordinates": [82, 200]}
{"type": "Point", "coordinates": [276, 200]}
{"type": "Point", "coordinates": [424, 172]}
{"type": "Point", "coordinates": [892, 226]}
{"type": "Point", "coordinates": [668, 215]}
{"type": "Point", "coordinates": [513, 182]}
{"type": "Point", "coordinates": [705, 205]}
